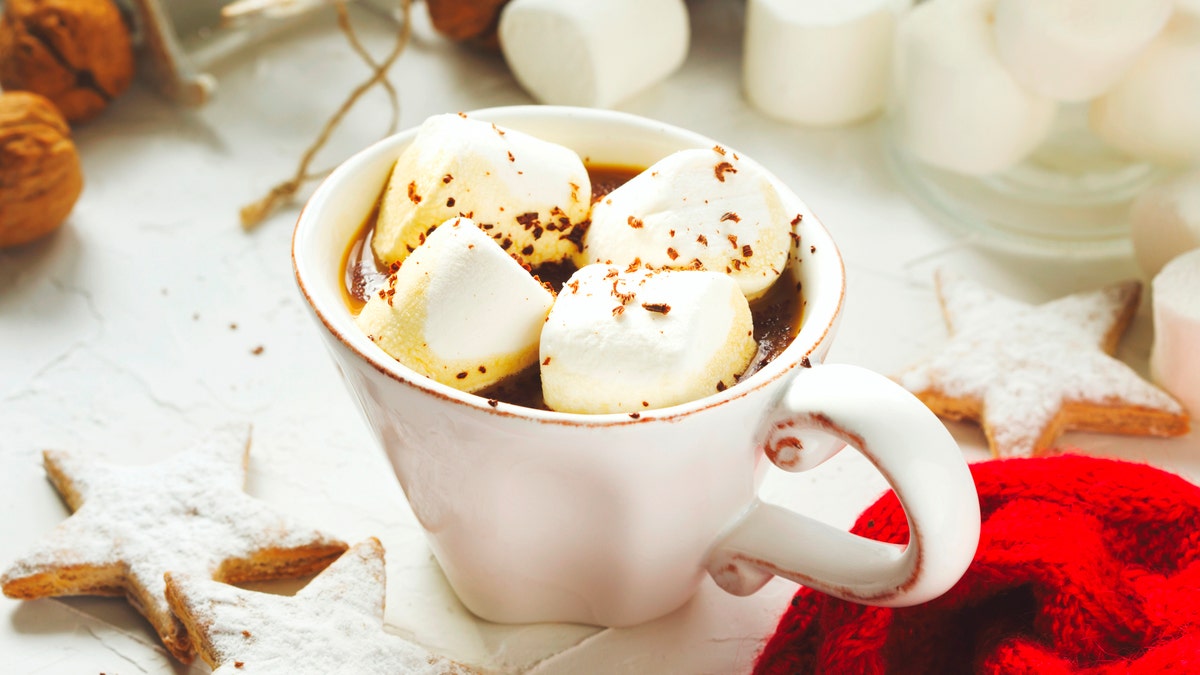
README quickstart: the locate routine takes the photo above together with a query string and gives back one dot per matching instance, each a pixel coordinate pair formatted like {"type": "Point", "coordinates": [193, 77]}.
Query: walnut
{"type": "Point", "coordinates": [77, 53]}
{"type": "Point", "coordinates": [40, 176]}
{"type": "Point", "coordinates": [472, 21]}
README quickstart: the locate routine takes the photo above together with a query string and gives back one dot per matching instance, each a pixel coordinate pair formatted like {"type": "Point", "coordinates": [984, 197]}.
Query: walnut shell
{"type": "Point", "coordinates": [40, 175]}
{"type": "Point", "coordinates": [470, 21]}
{"type": "Point", "coordinates": [77, 53]}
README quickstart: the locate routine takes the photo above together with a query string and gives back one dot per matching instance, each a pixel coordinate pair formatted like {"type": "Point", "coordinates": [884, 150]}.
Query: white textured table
{"type": "Point", "coordinates": [133, 330]}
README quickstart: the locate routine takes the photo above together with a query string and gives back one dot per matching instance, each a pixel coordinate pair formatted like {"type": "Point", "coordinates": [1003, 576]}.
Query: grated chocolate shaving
{"type": "Point", "coordinates": [657, 307]}
{"type": "Point", "coordinates": [723, 168]}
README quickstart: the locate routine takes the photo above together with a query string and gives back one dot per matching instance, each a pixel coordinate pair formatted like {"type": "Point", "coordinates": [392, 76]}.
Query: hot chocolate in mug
{"type": "Point", "coordinates": [614, 519]}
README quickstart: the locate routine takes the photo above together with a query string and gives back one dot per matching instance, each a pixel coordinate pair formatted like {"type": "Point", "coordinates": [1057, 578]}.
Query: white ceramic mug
{"type": "Point", "coordinates": [614, 519]}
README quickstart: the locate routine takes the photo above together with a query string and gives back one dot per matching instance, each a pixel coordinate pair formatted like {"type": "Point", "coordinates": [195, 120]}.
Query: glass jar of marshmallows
{"type": "Point", "coordinates": [1034, 123]}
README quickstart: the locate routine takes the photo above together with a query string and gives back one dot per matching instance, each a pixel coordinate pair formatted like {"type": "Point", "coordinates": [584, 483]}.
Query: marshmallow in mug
{"type": "Point", "coordinates": [1153, 109]}
{"type": "Point", "coordinates": [960, 109]}
{"type": "Point", "coordinates": [1175, 357]}
{"type": "Point", "coordinates": [629, 340]}
{"type": "Point", "coordinates": [1074, 50]}
{"type": "Point", "coordinates": [459, 310]}
{"type": "Point", "coordinates": [699, 209]}
{"type": "Point", "coordinates": [1165, 222]}
{"type": "Point", "coordinates": [527, 193]}
{"type": "Point", "coordinates": [590, 53]}
{"type": "Point", "coordinates": [819, 63]}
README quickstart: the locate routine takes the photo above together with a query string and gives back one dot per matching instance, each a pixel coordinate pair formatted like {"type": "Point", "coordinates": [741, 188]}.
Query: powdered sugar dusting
{"type": "Point", "coordinates": [333, 625]}
{"type": "Point", "coordinates": [186, 514]}
{"type": "Point", "coordinates": [1024, 363]}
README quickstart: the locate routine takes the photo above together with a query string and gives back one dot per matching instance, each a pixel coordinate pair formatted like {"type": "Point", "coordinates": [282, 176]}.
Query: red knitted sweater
{"type": "Point", "coordinates": [1084, 566]}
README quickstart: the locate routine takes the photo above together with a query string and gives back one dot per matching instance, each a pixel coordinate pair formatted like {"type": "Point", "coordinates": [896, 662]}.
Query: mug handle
{"type": "Point", "coordinates": [914, 452]}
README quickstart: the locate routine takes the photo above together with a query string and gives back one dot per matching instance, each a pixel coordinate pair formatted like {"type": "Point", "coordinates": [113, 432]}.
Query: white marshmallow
{"type": "Point", "coordinates": [706, 209]}
{"type": "Point", "coordinates": [459, 310]}
{"type": "Point", "coordinates": [620, 341]}
{"type": "Point", "coordinates": [1165, 222]}
{"type": "Point", "coordinates": [959, 108]}
{"type": "Point", "coordinates": [1074, 50]}
{"type": "Point", "coordinates": [1175, 356]}
{"type": "Point", "coordinates": [525, 192]}
{"type": "Point", "coordinates": [589, 53]}
{"type": "Point", "coordinates": [819, 62]}
{"type": "Point", "coordinates": [1152, 111]}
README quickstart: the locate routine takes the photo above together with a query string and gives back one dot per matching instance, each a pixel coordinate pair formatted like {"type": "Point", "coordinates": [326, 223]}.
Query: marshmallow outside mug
{"type": "Point", "coordinates": [614, 519]}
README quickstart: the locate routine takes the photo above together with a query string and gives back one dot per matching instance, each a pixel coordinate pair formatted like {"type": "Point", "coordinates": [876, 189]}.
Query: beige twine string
{"type": "Point", "coordinates": [254, 213]}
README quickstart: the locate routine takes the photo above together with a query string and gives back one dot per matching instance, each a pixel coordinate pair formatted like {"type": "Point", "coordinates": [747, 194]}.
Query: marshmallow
{"type": "Point", "coordinates": [1175, 356]}
{"type": "Point", "coordinates": [819, 62]}
{"type": "Point", "coordinates": [459, 310]}
{"type": "Point", "coordinates": [1165, 221]}
{"type": "Point", "coordinates": [625, 341]}
{"type": "Point", "coordinates": [525, 192]}
{"type": "Point", "coordinates": [959, 108]}
{"type": "Point", "coordinates": [589, 53]}
{"type": "Point", "coordinates": [1074, 50]}
{"type": "Point", "coordinates": [1152, 111]}
{"type": "Point", "coordinates": [705, 209]}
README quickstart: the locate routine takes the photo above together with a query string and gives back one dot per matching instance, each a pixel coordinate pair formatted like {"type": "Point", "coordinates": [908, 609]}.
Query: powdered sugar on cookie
{"type": "Point", "coordinates": [333, 625]}
{"type": "Point", "coordinates": [1027, 372]}
{"type": "Point", "coordinates": [187, 514]}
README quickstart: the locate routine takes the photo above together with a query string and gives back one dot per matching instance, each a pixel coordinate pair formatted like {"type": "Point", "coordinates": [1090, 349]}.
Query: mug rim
{"type": "Point", "coordinates": [792, 357]}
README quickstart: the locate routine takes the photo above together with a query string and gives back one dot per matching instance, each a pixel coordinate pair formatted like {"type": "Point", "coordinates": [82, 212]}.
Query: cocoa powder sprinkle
{"type": "Point", "coordinates": [412, 193]}
{"type": "Point", "coordinates": [672, 253]}
{"type": "Point", "coordinates": [730, 215]}
{"type": "Point", "coordinates": [634, 223]}
{"type": "Point", "coordinates": [702, 240]}
{"type": "Point", "coordinates": [723, 168]}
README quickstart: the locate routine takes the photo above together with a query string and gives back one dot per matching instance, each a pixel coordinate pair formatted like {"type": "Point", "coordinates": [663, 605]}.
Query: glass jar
{"type": "Point", "coordinates": [1021, 134]}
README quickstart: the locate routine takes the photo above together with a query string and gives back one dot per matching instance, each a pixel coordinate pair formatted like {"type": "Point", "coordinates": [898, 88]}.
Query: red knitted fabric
{"type": "Point", "coordinates": [1084, 566]}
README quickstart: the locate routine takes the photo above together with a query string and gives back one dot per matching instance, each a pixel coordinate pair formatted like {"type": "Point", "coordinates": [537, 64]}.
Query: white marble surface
{"type": "Point", "coordinates": [132, 331]}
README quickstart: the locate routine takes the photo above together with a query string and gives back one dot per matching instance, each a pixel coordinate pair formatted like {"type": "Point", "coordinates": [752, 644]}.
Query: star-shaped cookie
{"type": "Point", "coordinates": [186, 514]}
{"type": "Point", "coordinates": [334, 625]}
{"type": "Point", "coordinates": [1027, 373]}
